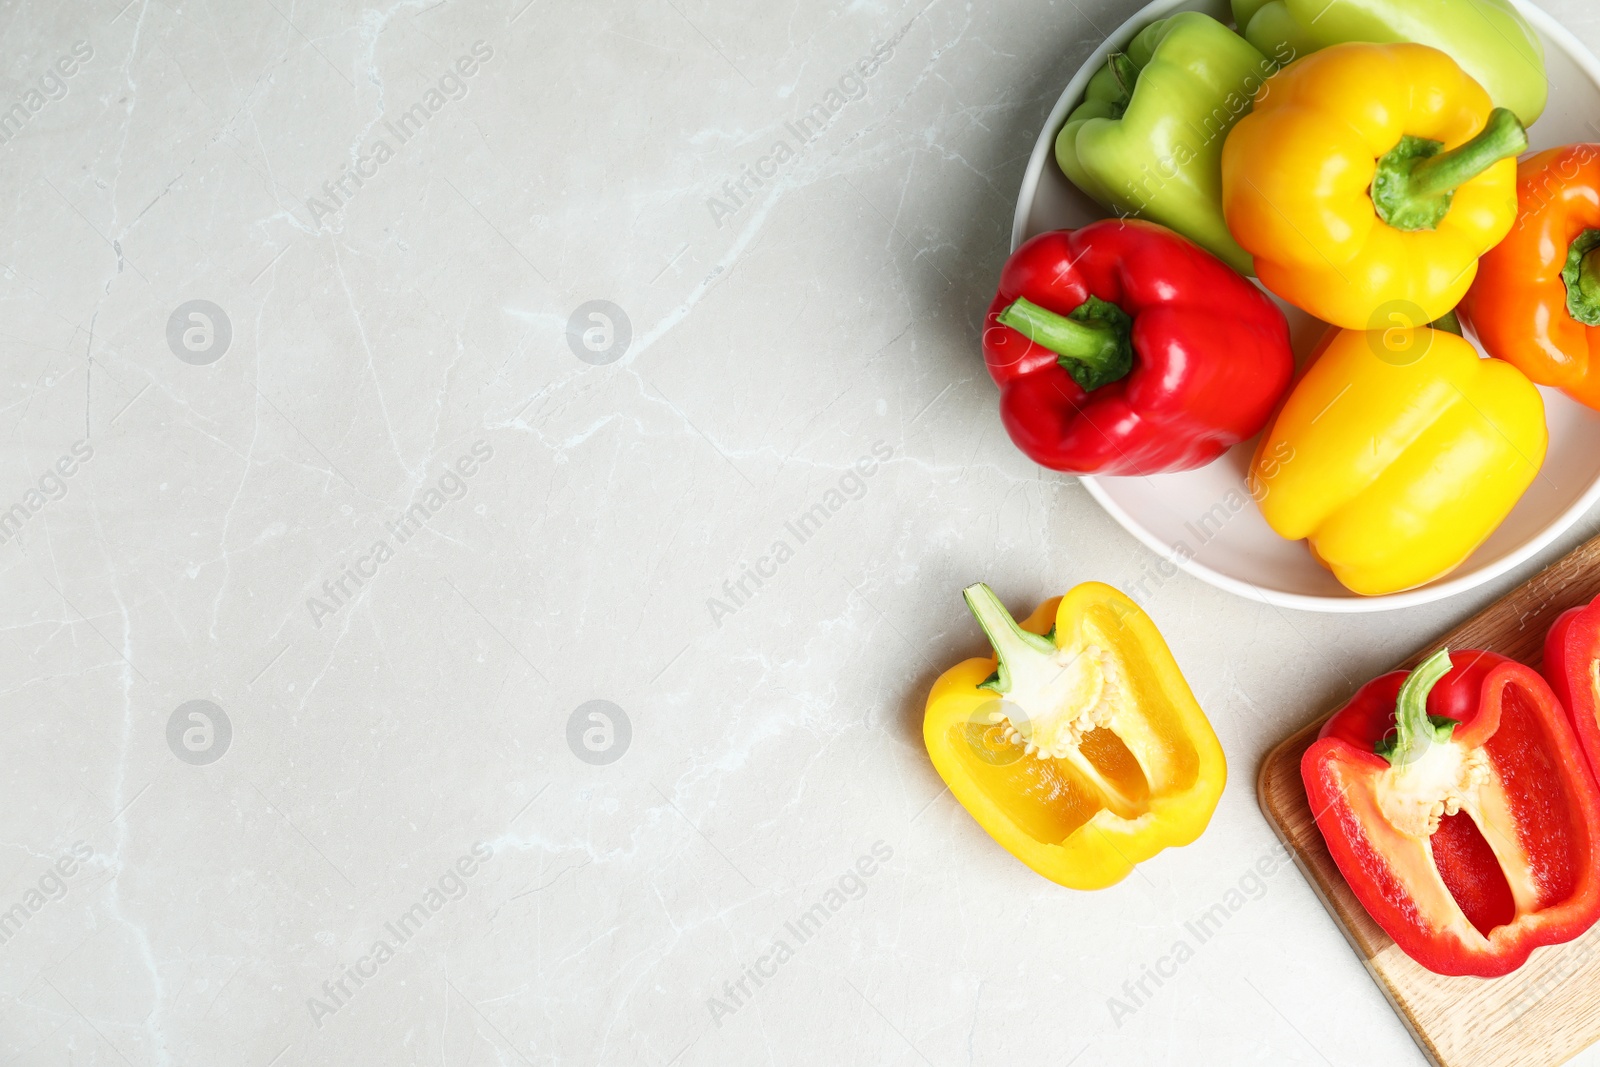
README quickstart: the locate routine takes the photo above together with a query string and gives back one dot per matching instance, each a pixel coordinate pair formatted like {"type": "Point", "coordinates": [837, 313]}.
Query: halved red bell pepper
{"type": "Point", "coordinates": [1572, 667]}
{"type": "Point", "coordinates": [1456, 802]}
{"type": "Point", "coordinates": [1122, 348]}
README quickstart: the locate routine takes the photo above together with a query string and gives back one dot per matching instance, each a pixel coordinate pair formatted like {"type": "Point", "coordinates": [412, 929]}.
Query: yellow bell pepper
{"type": "Point", "coordinates": [1370, 176]}
{"type": "Point", "coordinates": [1397, 453]}
{"type": "Point", "coordinates": [1078, 746]}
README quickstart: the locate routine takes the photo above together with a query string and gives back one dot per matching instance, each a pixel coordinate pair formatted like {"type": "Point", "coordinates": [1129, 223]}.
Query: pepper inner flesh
{"type": "Point", "coordinates": [1416, 797]}
{"type": "Point", "coordinates": [1050, 738]}
{"type": "Point", "coordinates": [1471, 872]}
{"type": "Point", "coordinates": [1471, 819]}
{"type": "Point", "coordinates": [1127, 790]}
{"type": "Point", "coordinates": [1444, 798]}
{"type": "Point", "coordinates": [1052, 798]}
{"type": "Point", "coordinates": [1049, 709]}
{"type": "Point", "coordinates": [1052, 741]}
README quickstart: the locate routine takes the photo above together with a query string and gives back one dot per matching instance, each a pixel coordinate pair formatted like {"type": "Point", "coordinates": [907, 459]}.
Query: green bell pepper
{"type": "Point", "coordinates": [1489, 38]}
{"type": "Point", "coordinates": [1147, 139]}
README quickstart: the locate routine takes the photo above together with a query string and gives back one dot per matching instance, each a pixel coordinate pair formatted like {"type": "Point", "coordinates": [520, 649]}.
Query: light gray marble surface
{"type": "Point", "coordinates": [401, 738]}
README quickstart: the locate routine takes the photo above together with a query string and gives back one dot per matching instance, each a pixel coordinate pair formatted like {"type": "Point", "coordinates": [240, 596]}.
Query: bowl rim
{"type": "Point", "coordinates": [1353, 603]}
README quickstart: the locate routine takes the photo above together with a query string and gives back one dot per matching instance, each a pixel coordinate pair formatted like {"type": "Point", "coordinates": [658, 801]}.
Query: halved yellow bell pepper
{"type": "Point", "coordinates": [1078, 746]}
{"type": "Point", "coordinates": [1370, 175]}
{"type": "Point", "coordinates": [1397, 453]}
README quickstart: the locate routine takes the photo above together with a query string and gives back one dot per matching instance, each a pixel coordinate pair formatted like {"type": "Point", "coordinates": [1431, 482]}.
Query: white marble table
{"type": "Point", "coordinates": [373, 503]}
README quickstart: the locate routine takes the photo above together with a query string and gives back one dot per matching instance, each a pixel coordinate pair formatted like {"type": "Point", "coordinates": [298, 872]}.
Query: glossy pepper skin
{"type": "Point", "coordinates": [1397, 453]}
{"type": "Point", "coordinates": [1461, 812]}
{"type": "Point", "coordinates": [1370, 177]}
{"type": "Point", "coordinates": [1490, 39]}
{"type": "Point", "coordinates": [1572, 667]}
{"type": "Point", "coordinates": [1147, 139]}
{"type": "Point", "coordinates": [1121, 348]}
{"type": "Point", "coordinates": [1536, 300]}
{"type": "Point", "coordinates": [1078, 747]}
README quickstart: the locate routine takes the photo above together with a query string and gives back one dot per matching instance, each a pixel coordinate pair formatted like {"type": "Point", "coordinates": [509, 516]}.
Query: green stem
{"type": "Point", "coordinates": [1126, 71]}
{"type": "Point", "coordinates": [1589, 276]}
{"type": "Point", "coordinates": [1416, 180]}
{"type": "Point", "coordinates": [1414, 729]}
{"type": "Point", "coordinates": [1011, 642]}
{"type": "Point", "coordinates": [1093, 343]}
{"type": "Point", "coordinates": [1582, 275]}
{"type": "Point", "coordinates": [1449, 322]}
{"type": "Point", "coordinates": [1502, 137]}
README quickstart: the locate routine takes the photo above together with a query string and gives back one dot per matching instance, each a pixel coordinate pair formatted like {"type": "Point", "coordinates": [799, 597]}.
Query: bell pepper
{"type": "Point", "coordinates": [1147, 139]}
{"type": "Point", "coordinates": [1572, 667]}
{"type": "Point", "coordinates": [1489, 38]}
{"type": "Point", "coordinates": [1536, 300]}
{"type": "Point", "coordinates": [1369, 177]}
{"type": "Point", "coordinates": [1458, 807]}
{"type": "Point", "coordinates": [1397, 453]}
{"type": "Point", "coordinates": [1077, 746]}
{"type": "Point", "coordinates": [1121, 348]}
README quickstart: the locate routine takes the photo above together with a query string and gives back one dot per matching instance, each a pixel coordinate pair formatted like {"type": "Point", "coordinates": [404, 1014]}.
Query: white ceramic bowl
{"type": "Point", "coordinates": [1234, 549]}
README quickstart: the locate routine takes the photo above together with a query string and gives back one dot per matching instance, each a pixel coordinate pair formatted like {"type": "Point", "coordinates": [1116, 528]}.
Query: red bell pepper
{"type": "Point", "coordinates": [1572, 667]}
{"type": "Point", "coordinates": [1122, 348]}
{"type": "Point", "coordinates": [1456, 802]}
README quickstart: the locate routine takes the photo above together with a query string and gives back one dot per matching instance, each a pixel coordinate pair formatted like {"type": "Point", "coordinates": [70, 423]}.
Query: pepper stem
{"type": "Point", "coordinates": [1414, 729]}
{"type": "Point", "coordinates": [1502, 137]}
{"type": "Point", "coordinates": [1011, 642]}
{"type": "Point", "coordinates": [1093, 343]}
{"type": "Point", "coordinates": [1582, 275]}
{"type": "Point", "coordinates": [1126, 71]}
{"type": "Point", "coordinates": [1589, 276]}
{"type": "Point", "coordinates": [1416, 180]}
{"type": "Point", "coordinates": [1449, 322]}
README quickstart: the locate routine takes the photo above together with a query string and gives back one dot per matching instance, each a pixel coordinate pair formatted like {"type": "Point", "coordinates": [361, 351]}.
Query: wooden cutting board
{"type": "Point", "coordinates": [1549, 1009]}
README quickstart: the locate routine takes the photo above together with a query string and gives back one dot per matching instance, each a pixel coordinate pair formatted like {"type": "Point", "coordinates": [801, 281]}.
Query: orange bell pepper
{"type": "Point", "coordinates": [1536, 300]}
